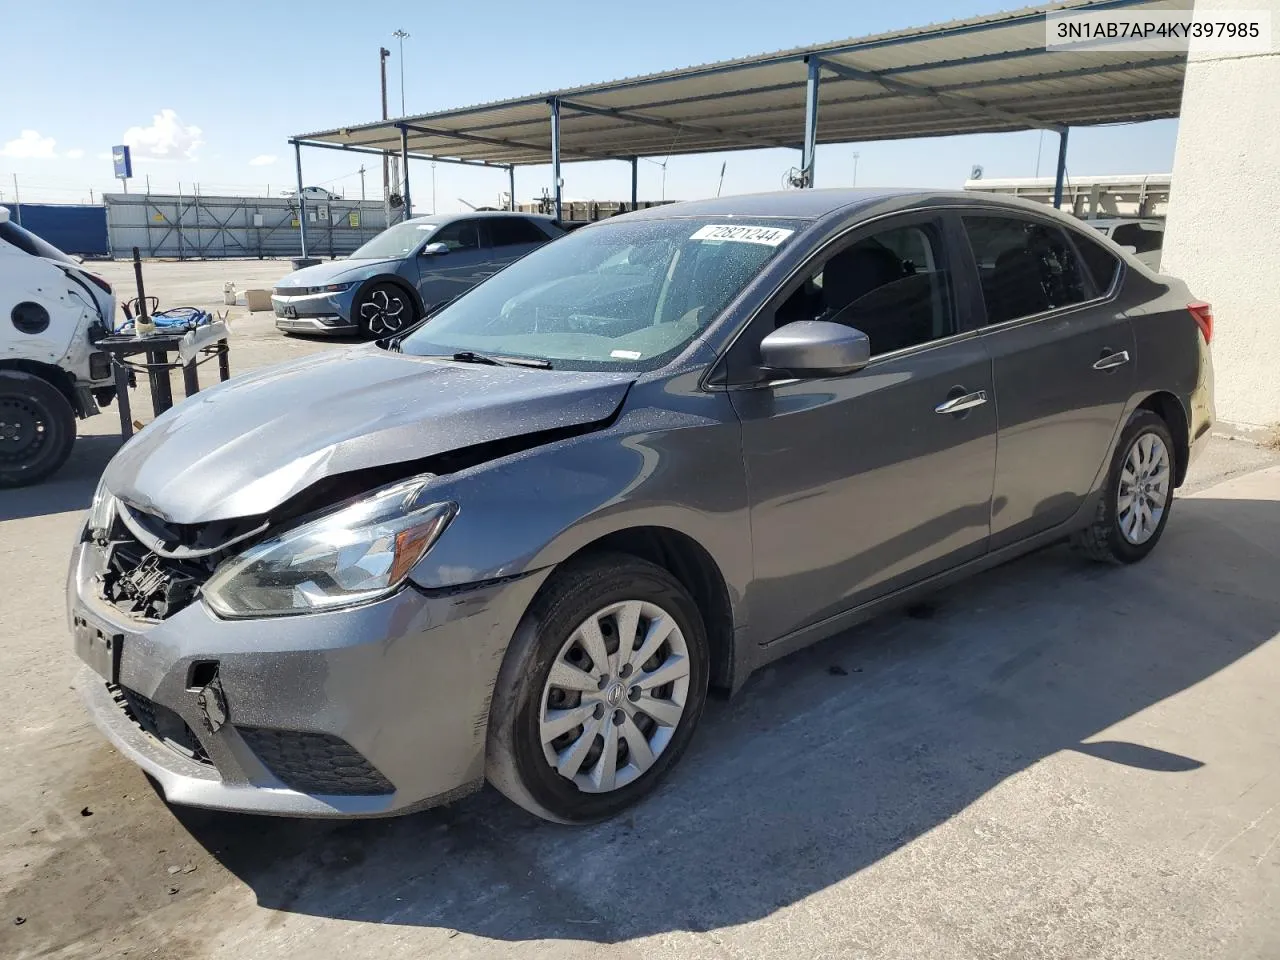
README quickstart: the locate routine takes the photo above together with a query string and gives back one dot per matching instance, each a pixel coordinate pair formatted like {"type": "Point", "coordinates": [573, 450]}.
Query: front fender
{"type": "Point", "coordinates": [680, 470]}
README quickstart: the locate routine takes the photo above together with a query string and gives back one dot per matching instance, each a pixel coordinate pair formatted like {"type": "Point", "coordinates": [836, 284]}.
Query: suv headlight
{"type": "Point", "coordinates": [102, 511]}
{"type": "Point", "coordinates": [355, 554]}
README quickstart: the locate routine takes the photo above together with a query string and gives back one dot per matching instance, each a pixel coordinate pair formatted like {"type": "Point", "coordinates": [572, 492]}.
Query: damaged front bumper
{"type": "Point", "coordinates": [367, 711]}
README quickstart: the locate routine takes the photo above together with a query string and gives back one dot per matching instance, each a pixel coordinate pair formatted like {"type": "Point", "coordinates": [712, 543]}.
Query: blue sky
{"type": "Point", "coordinates": [209, 94]}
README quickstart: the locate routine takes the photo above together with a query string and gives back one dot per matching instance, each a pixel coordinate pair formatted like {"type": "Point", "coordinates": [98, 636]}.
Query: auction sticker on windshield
{"type": "Point", "coordinates": [769, 236]}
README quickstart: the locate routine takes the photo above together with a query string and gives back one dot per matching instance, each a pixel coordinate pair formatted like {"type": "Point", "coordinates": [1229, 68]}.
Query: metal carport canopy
{"type": "Point", "coordinates": [981, 75]}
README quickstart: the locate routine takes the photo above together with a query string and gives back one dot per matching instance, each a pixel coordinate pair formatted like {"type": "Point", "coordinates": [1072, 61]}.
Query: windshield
{"type": "Point", "coordinates": [395, 243]}
{"type": "Point", "coordinates": [28, 242]}
{"type": "Point", "coordinates": [618, 296]}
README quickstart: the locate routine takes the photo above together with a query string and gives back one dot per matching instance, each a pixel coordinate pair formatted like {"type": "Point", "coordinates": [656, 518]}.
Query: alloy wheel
{"type": "Point", "coordinates": [384, 312]}
{"type": "Point", "coordinates": [1144, 488]}
{"type": "Point", "coordinates": [616, 693]}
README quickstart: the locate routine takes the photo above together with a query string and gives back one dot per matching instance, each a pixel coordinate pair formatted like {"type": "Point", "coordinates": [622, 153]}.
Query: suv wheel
{"type": "Point", "coordinates": [384, 310]}
{"type": "Point", "coordinates": [600, 691]}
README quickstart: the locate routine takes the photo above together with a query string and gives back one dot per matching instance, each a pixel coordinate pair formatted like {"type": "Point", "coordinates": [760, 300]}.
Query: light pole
{"type": "Point", "coordinates": [855, 167]}
{"type": "Point", "coordinates": [663, 165]}
{"type": "Point", "coordinates": [402, 37]}
{"type": "Point", "coordinates": [433, 187]}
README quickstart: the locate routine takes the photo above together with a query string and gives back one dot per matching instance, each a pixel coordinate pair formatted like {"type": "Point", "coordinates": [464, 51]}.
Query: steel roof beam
{"type": "Point", "coordinates": [492, 141]}
{"type": "Point", "coordinates": [677, 125]}
{"type": "Point", "coordinates": [374, 151]}
{"type": "Point", "coordinates": [960, 104]}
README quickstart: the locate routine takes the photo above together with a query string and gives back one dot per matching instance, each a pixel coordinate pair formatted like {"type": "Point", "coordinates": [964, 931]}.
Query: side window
{"type": "Point", "coordinates": [892, 285]}
{"type": "Point", "coordinates": [509, 231]}
{"type": "Point", "coordinates": [1101, 263]}
{"type": "Point", "coordinates": [459, 235]}
{"type": "Point", "coordinates": [1025, 267]}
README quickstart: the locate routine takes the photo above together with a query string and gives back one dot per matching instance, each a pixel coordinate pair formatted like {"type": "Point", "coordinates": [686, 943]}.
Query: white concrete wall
{"type": "Point", "coordinates": [1223, 231]}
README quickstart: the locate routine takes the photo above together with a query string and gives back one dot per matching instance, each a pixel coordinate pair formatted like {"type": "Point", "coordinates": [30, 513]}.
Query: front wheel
{"type": "Point", "coordinates": [37, 428]}
{"type": "Point", "coordinates": [1138, 496]}
{"type": "Point", "coordinates": [600, 691]}
{"type": "Point", "coordinates": [383, 310]}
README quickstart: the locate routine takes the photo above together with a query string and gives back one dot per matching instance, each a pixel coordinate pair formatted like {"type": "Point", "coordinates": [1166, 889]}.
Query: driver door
{"type": "Point", "coordinates": [864, 483]}
{"type": "Point", "coordinates": [443, 276]}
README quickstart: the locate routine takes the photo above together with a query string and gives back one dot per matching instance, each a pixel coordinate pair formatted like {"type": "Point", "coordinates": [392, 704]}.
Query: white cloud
{"type": "Point", "coordinates": [75, 154]}
{"type": "Point", "coordinates": [105, 155]}
{"type": "Point", "coordinates": [168, 138]}
{"type": "Point", "coordinates": [29, 145]}
{"type": "Point", "coordinates": [263, 160]}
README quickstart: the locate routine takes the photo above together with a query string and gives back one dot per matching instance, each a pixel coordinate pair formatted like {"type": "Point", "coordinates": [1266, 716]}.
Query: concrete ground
{"type": "Point", "coordinates": [1053, 760]}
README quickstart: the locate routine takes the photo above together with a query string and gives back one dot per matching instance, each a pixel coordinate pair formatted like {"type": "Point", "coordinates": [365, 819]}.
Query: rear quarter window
{"type": "Point", "coordinates": [1102, 264]}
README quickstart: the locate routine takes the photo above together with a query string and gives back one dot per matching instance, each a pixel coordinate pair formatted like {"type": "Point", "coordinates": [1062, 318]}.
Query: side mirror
{"type": "Point", "coordinates": [4, 214]}
{"type": "Point", "coordinates": [435, 250]}
{"type": "Point", "coordinates": [816, 348]}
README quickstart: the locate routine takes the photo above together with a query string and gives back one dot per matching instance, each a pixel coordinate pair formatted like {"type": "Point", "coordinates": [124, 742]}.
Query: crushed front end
{"type": "Point", "coordinates": [369, 709]}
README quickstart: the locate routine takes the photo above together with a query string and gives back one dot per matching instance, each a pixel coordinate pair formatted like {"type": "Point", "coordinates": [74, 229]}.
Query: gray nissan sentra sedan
{"type": "Point", "coordinates": [523, 540]}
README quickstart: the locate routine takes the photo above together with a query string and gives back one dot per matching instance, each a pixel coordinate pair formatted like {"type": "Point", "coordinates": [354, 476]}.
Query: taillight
{"type": "Point", "coordinates": [100, 283]}
{"type": "Point", "coordinates": [1202, 313]}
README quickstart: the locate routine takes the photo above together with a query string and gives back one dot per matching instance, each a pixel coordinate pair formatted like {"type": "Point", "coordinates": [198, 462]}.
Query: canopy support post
{"type": "Point", "coordinates": [810, 121]}
{"type": "Point", "coordinates": [404, 165]}
{"type": "Point", "coordinates": [302, 199]}
{"type": "Point", "coordinates": [1062, 169]}
{"type": "Point", "coordinates": [555, 151]}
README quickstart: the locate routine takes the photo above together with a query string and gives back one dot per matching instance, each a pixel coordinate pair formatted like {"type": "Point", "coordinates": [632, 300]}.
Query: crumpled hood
{"type": "Point", "coordinates": [323, 274]}
{"type": "Point", "coordinates": [244, 447]}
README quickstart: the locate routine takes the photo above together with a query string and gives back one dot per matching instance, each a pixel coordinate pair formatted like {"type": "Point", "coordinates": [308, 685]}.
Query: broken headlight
{"type": "Point", "coordinates": [102, 511]}
{"type": "Point", "coordinates": [357, 553]}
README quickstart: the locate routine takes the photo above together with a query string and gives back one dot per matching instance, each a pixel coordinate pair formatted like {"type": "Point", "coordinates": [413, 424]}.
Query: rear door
{"type": "Point", "coordinates": [443, 276]}
{"type": "Point", "coordinates": [510, 238]}
{"type": "Point", "coordinates": [1062, 351]}
{"type": "Point", "coordinates": [864, 483]}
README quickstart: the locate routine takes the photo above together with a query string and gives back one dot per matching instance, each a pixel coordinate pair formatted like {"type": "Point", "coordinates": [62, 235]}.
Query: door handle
{"type": "Point", "coordinates": [1110, 361]}
{"type": "Point", "coordinates": [961, 404]}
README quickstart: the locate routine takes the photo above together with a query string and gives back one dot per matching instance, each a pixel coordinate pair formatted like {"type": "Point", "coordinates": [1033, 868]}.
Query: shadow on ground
{"type": "Point", "coordinates": [71, 488]}
{"type": "Point", "coordinates": [824, 764]}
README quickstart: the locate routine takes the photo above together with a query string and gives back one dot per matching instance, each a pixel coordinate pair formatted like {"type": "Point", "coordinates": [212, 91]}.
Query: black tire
{"type": "Point", "coordinates": [515, 762]}
{"type": "Point", "coordinates": [1104, 540]}
{"type": "Point", "coordinates": [383, 310]}
{"type": "Point", "coordinates": [37, 428]}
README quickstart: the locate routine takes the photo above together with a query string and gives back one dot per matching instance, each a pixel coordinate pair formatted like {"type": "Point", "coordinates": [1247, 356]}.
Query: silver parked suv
{"type": "Point", "coordinates": [521, 541]}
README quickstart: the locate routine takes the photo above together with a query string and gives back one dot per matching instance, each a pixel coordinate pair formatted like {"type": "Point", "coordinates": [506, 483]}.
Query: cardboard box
{"type": "Point", "coordinates": [258, 300]}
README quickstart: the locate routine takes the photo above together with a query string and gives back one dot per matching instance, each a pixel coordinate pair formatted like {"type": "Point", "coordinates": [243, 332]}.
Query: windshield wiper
{"type": "Point", "coordinates": [470, 356]}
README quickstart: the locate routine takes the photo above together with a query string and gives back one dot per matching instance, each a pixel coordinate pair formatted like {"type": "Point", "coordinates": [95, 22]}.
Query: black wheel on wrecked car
{"type": "Point", "coordinates": [383, 310]}
{"type": "Point", "coordinates": [37, 428]}
{"type": "Point", "coordinates": [600, 691]}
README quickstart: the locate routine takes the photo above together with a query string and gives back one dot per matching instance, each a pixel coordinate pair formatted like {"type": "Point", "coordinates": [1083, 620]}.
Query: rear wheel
{"type": "Point", "coordinates": [383, 310]}
{"type": "Point", "coordinates": [37, 428]}
{"type": "Point", "coordinates": [600, 692]}
{"type": "Point", "coordinates": [1138, 496]}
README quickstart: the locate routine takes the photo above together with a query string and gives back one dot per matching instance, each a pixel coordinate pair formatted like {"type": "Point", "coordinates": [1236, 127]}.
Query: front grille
{"type": "Point", "coordinates": [317, 763]}
{"type": "Point", "coordinates": [160, 722]}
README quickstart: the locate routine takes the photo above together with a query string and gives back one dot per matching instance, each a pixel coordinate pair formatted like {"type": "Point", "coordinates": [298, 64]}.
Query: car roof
{"type": "Point", "coordinates": [1119, 221]}
{"type": "Point", "coordinates": [817, 204]}
{"type": "Point", "coordinates": [440, 219]}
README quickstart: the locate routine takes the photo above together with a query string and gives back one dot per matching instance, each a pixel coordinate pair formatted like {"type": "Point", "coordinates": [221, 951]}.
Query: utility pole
{"type": "Point", "coordinates": [17, 199]}
{"type": "Point", "coordinates": [383, 53]}
{"type": "Point", "coordinates": [855, 167]}
{"type": "Point", "coordinates": [402, 37]}
{"type": "Point", "coordinates": [362, 183]}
